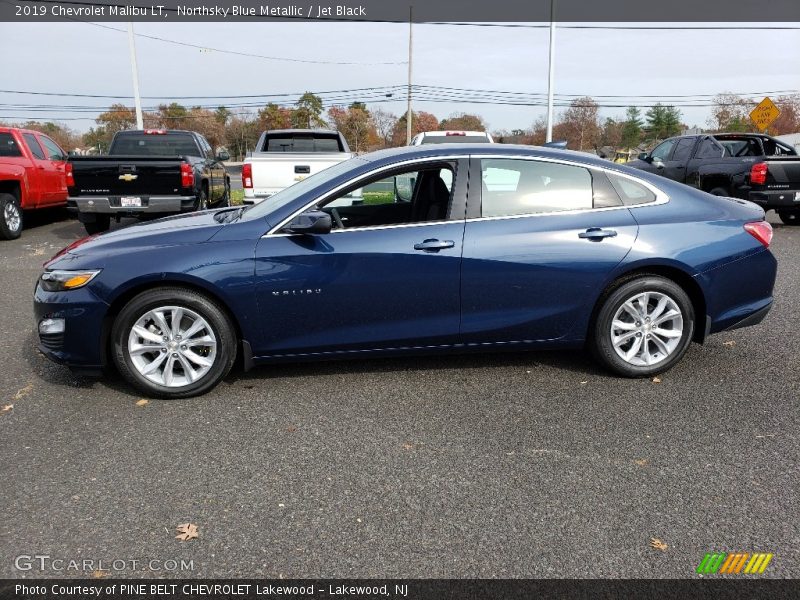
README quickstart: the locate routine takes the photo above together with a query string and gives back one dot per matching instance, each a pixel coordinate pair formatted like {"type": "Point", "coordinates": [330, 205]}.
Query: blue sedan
{"type": "Point", "coordinates": [424, 249]}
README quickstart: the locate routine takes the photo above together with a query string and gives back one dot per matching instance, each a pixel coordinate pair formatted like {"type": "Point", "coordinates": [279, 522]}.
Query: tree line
{"type": "Point", "coordinates": [368, 129]}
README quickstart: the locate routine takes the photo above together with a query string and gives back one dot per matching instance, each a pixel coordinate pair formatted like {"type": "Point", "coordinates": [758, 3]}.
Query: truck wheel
{"type": "Point", "coordinates": [226, 198]}
{"type": "Point", "coordinates": [99, 225]}
{"type": "Point", "coordinates": [10, 217]}
{"type": "Point", "coordinates": [172, 342]}
{"type": "Point", "coordinates": [789, 217]}
{"type": "Point", "coordinates": [202, 199]}
{"type": "Point", "coordinates": [718, 191]}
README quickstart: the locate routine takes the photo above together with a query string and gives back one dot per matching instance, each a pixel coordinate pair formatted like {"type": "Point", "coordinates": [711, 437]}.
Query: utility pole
{"type": "Point", "coordinates": [551, 72]}
{"type": "Point", "coordinates": [410, 51]}
{"type": "Point", "coordinates": [135, 70]}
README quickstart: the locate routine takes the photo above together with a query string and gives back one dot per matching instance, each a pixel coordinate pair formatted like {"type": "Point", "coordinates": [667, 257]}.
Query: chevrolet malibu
{"type": "Point", "coordinates": [424, 249]}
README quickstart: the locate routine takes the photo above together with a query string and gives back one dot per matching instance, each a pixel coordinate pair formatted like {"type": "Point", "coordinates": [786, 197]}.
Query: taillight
{"type": "Point", "coordinates": [68, 173]}
{"type": "Point", "coordinates": [187, 175]}
{"type": "Point", "coordinates": [761, 230]}
{"type": "Point", "coordinates": [247, 175]}
{"type": "Point", "coordinates": [758, 173]}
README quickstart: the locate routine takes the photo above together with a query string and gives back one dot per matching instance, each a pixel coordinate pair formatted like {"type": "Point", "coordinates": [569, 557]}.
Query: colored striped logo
{"type": "Point", "coordinates": [734, 562]}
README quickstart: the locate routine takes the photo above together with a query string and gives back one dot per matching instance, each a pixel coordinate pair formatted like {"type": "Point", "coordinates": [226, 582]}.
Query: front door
{"type": "Point", "coordinates": [386, 277]}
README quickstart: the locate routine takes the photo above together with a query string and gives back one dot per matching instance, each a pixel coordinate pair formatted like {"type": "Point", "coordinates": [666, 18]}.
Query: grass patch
{"type": "Point", "coordinates": [237, 197]}
{"type": "Point", "coordinates": [378, 197]}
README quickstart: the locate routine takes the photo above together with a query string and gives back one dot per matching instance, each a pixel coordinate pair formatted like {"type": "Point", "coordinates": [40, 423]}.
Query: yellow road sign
{"type": "Point", "coordinates": [765, 113]}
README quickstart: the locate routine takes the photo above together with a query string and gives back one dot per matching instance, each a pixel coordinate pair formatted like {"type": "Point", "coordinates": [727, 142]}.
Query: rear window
{"type": "Point", "coordinates": [455, 139]}
{"type": "Point", "coordinates": [154, 144]}
{"type": "Point", "coordinates": [302, 143]}
{"type": "Point", "coordinates": [8, 147]}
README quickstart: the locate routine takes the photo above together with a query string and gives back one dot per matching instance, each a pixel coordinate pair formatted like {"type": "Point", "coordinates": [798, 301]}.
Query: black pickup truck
{"type": "Point", "coordinates": [151, 172]}
{"type": "Point", "coordinates": [750, 166]}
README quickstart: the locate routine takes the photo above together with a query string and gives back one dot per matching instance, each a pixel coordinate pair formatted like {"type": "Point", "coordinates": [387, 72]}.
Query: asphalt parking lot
{"type": "Point", "coordinates": [507, 465]}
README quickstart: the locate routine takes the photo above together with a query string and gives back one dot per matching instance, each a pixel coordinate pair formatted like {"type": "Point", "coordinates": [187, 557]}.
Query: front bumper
{"type": "Point", "coordinates": [778, 199]}
{"type": "Point", "coordinates": [112, 205]}
{"type": "Point", "coordinates": [81, 344]}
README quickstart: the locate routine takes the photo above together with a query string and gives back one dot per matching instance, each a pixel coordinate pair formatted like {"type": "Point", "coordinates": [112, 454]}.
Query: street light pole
{"type": "Point", "coordinates": [410, 51]}
{"type": "Point", "coordinates": [135, 71]}
{"type": "Point", "coordinates": [551, 72]}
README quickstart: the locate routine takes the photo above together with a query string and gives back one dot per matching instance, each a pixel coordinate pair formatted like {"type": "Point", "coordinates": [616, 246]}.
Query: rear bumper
{"type": "Point", "coordinates": [779, 199]}
{"type": "Point", "coordinates": [251, 197]}
{"type": "Point", "coordinates": [111, 205]}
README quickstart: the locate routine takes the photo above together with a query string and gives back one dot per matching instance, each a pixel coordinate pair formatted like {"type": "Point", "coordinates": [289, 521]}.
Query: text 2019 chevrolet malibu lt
{"type": "Point", "coordinates": [422, 249]}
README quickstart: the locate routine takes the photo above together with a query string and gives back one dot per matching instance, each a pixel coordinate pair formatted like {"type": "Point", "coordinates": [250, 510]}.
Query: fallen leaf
{"type": "Point", "coordinates": [142, 402]}
{"type": "Point", "coordinates": [6, 408]}
{"type": "Point", "coordinates": [186, 532]}
{"type": "Point", "coordinates": [584, 382]}
{"type": "Point", "coordinates": [408, 446]}
{"type": "Point", "coordinates": [658, 544]}
{"type": "Point", "coordinates": [729, 343]}
{"type": "Point", "coordinates": [21, 393]}
{"type": "Point", "coordinates": [100, 574]}
{"type": "Point", "coordinates": [642, 462]}
{"type": "Point", "coordinates": [291, 429]}
{"type": "Point", "coordinates": [656, 380]}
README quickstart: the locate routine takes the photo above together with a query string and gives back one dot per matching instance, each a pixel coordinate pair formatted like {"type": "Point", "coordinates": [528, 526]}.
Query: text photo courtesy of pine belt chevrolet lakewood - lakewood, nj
{"type": "Point", "coordinates": [399, 300]}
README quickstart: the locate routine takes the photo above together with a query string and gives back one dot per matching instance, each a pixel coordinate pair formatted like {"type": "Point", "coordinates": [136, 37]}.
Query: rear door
{"type": "Point", "coordinates": [55, 171]}
{"type": "Point", "coordinates": [541, 240]}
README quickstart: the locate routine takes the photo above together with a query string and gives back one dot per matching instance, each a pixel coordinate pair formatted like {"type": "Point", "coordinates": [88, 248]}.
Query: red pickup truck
{"type": "Point", "coordinates": [33, 175]}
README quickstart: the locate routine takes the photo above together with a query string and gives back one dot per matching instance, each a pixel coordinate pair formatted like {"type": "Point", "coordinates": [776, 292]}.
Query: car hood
{"type": "Point", "coordinates": [192, 228]}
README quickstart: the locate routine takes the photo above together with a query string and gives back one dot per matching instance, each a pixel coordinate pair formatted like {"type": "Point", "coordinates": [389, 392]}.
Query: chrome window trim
{"type": "Point", "coordinates": [274, 231]}
{"type": "Point", "coordinates": [661, 196]}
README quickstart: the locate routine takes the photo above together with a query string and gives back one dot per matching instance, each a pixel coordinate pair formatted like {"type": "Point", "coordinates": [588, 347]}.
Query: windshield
{"type": "Point", "coordinates": [150, 144]}
{"type": "Point", "coordinates": [290, 194]}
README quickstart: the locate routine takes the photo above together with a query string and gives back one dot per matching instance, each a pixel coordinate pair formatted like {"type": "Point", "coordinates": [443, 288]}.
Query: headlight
{"type": "Point", "coordinates": [59, 281]}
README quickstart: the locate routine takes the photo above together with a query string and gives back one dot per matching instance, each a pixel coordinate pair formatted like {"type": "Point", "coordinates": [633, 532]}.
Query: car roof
{"type": "Point", "coordinates": [452, 131]}
{"type": "Point", "coordinates": [464, 150]}
{"type": "Point", "coordinates": [306, 131]}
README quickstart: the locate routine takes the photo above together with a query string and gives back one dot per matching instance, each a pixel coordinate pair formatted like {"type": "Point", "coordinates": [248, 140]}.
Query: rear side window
{"type": "Point", "coordinates": [683, 149]}
{"type": "Point", "coordinates": [521, 187]}
{"type": "Point", "coordinates": [8, 147]}
{"type": "Point", "coordinates": [709, 149]}
{"type": "Point", "coordinates": [302, 143]}
{"type": "Point", "coordinates": [34, 146]}
{"type": "Point", "coordinates": [632, 192]}
{"type": "Point", "coordinates": [53, 150]}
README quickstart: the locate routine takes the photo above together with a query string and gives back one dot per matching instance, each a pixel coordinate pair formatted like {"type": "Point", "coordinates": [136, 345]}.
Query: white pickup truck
{"type": "Point", "coordinates": [285, 156]}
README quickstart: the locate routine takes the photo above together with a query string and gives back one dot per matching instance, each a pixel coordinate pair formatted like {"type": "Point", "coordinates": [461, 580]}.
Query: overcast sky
{"type": "Point", "coordinates": [81, 58]}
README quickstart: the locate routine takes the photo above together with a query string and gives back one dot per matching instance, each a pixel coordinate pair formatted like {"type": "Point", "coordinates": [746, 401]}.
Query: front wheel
{"type": "Point", "coordinates": [10, 217]}
{"type": "Point", "coordinates": [643, 327]}
{"type": "Point", "coordinates": [173, 343]}
{"type": "Point", "coordinates": [789, 217]}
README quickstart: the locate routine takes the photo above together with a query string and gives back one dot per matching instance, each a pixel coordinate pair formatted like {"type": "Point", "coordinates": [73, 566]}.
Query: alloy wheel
{"type": "Point", "coordinates": [647, 328]}
{"type": "Point", "coordinates": [172, 346]}
{"type": "Point", "coordinates": [12, 216]}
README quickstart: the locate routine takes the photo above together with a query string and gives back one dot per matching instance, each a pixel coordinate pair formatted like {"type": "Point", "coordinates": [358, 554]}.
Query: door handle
{"type": "Point", "coordinates": [596, 234]}
{"type": "Point", "coordinates": [434, 245]}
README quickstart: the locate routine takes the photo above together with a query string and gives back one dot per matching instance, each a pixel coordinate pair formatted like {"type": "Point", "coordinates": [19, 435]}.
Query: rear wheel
{"type": "Point", "coordinates": [202, 199]}
{"type": "Point", "coordinates": [10, 217]}
{"type": "Point", "coordinates": [789, 217]}
{"type": "Point", "coordinates": [173, 343]}
{"type": "Point", "coordinates": [643, 327]}
{"type": "Point", "coordinates": [99, 225]}
{"type": "Point", "coordinates": [719, 191]}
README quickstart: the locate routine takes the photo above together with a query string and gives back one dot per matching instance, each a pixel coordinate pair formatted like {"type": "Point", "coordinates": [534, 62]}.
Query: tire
{"type": "Point", "coordinates": [209, 359]}
{"type": "Point", "coordinates": [789, 217]}
{"type": "Point", "coordinates": [101, 224]}
{"type": "Point", "coordinates": [202, 199]}
{"type": "Point", "coordinates": [10, 217]}
{"type": "Point", "coordinates": [719, 191]}
{"type": "Point", "coordinates": [662, 350]}
{"type": "Point", "coordinates": [226, 198]}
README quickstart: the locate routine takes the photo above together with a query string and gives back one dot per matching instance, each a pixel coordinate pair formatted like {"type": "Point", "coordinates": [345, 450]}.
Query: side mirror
{"type": "Point", "coordinates": [658, 163]}
{"type": "Point", "coordinates": [643, 156]}
{"type": "Point", "coordinates": [223, 155]}
{"type": "Point", "coordinates": [312, 221]}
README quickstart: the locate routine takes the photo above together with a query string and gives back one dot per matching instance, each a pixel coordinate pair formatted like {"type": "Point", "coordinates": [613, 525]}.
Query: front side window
{"type": "Point", "coordinates": [34, 146]}
{"type": "Point", "coordinates": [8, 147]}
{"type": "Point", "coordinates": [662, 151]}
{"type": "Point", "coordinates": [410, 196]}
{"type": "Point", "coordinates": [519, 187]}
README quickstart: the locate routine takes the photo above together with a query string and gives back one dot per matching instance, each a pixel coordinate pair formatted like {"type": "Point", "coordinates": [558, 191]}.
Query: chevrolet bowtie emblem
{"type": "Point", "coordinates": [128, 177]}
